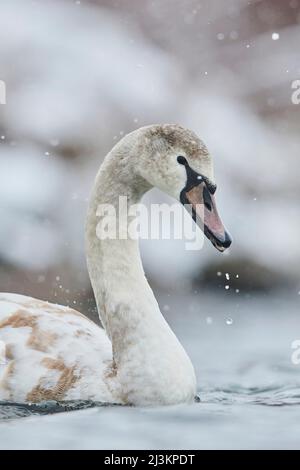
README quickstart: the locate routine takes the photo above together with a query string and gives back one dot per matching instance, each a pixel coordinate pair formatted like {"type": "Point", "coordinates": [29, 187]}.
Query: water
{"type": "Point", "coordinates": [248, 385]}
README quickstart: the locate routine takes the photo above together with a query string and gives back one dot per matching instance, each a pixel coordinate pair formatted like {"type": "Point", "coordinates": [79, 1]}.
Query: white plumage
{"type": "Point", "coordinates": [53, 352]}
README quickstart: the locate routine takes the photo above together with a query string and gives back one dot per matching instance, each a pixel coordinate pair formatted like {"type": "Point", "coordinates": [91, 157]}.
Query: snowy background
{"type": "Point", "coordinates": [81, 74]}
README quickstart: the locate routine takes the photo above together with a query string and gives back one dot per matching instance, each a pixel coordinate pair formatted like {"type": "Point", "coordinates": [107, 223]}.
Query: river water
{"type": "Point", "coordinates": [248, 386]}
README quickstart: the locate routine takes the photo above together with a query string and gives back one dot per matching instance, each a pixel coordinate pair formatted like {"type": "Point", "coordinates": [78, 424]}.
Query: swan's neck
{"type": "Point", "coordinates": [142, 342]}
{"type": "Point", "coordinates": [122, 293]}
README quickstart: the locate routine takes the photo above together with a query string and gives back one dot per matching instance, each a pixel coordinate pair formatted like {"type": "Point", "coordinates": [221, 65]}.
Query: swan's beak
{"type": "Point", "coordinates": [205, 214]}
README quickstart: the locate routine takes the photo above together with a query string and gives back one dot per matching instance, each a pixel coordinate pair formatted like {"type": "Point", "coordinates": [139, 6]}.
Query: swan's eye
{"type": "Point", "coordinates": [182, 160]}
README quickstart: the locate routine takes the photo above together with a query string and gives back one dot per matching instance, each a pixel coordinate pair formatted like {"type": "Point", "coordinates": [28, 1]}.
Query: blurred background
{"type": "Point", "coordinates": [81, 74]}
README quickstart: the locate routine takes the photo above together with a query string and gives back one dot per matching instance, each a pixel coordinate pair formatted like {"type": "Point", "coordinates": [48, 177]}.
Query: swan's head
{"type": "Point", "coordinates": [177, 162]}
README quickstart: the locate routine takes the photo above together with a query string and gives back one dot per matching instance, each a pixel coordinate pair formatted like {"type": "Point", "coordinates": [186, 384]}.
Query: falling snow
{"type": "Point", "coordinates": [275, 36]}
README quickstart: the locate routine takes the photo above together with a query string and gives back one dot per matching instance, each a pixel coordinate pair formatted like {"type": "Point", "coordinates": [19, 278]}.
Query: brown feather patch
{"type": "Point", "coordinates": [5, 382]}
{"type": "Point", "coordinates": [38, 340]}
{"type": "Point", "coordinates": [65, 382]}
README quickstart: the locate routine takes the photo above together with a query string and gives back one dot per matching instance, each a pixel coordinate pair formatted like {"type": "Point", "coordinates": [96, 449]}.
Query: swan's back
{"type": "Point", "coordinates": [50, 352]}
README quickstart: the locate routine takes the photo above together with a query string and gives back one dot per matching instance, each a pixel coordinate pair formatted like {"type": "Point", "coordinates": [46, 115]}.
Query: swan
{"type": "Point", "coordinates": [53, 352]}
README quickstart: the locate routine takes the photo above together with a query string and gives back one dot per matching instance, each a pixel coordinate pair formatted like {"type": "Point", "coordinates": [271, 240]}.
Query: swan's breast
{"type": "Point", "coordinates": [50, 352]}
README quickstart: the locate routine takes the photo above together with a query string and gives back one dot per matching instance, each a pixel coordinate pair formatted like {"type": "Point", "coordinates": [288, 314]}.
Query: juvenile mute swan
{"type": "Point", "coordinates": [55, 353]}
